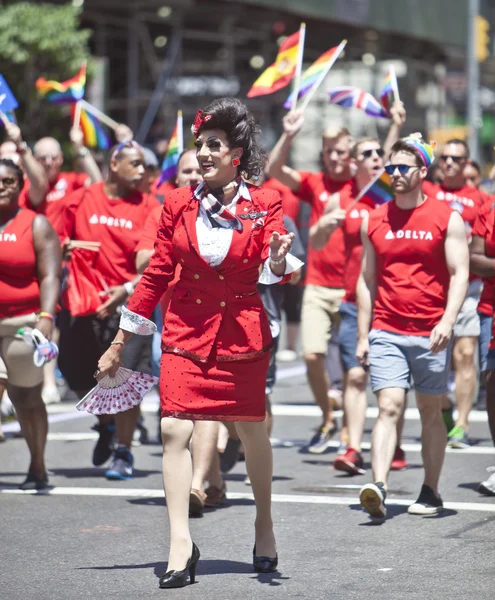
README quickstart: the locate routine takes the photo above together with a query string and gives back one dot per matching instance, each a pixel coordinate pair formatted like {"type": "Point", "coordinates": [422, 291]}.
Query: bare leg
{"type": "Point", "coordinates": [125, 423]}
{"type": "Point", "coordinates": [400, 422]}
{"type": "Point", "coordinates": [384, 436]}
{"type": "Point", "coordinates": [259, 465]}
{"type": "Point", "coordinates": [465, 377]}
{"type": "Point", "coordinates": [355, 404]}
{"type": "Point", "coordinates": [177, 479]}
{"type": "Point", "coordinates": [320, 383]}
{"type": "Point", "coordinates": [433, 438]}
{"type": "Point", "coordinates": [31, 413]}
{"type": "Point", "coordinates": [215, 474]}
{"type": "Point", "coordinates": [445, 402]}
{"type": "Point", "coordinates": [3, 385]}
{"type": "Point", "coordinates": [292, 336]}
{"type": "Point", "coordinates": [490, 401]}
{"type": "Point", "coordinates": [204, 450]}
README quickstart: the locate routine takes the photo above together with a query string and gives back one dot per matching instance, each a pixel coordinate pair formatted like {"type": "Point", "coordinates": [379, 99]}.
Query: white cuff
{"type": "Point", "coordinates": [131, 321]}
{"type": "Point", "coordinates": [268, 277]}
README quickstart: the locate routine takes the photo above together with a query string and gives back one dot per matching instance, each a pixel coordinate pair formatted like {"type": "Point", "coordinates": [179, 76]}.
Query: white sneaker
{"type": "Point", "coordinates": [51, 395]}
{"type": "Point", "coordinates": [287, 355]}
{"type": "Point", "coordinates": [488, 487]}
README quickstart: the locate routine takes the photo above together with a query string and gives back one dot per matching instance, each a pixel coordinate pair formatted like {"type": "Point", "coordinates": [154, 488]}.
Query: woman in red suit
{"type": "Point", "coordinates": [216, 337]}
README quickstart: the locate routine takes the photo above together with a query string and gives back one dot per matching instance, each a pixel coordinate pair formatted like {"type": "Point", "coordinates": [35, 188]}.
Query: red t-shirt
{"type": "Point", "coordinates": [19, 287]}
{"type": "Point", "coordinates": [484, 226]}
{"type": "Point", "coordinates": [52, 206]}
{"type": "Point", "coordinates": [325, 267]}
{"type": "Point", "coordinates": [353, 247]}
{"type": "Point", "coordinates": [411, 268]}
{"type": "Point", "coordinates": [116, 223]}
{"type": "Point", "coordinates": [161, 192]}
{"type": "Point", "coordinates": [290, 202]}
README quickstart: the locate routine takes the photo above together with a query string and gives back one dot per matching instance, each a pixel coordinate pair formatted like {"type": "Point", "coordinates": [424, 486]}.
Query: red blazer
{"type": "Point", "coordinates": [211, 308]}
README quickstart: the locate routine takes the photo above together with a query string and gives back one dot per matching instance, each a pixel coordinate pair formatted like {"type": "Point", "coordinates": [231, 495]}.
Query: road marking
{"type": "Point", "coordinates": [67, 416]}
{"type": "Point", "coordinates": [279, 498]}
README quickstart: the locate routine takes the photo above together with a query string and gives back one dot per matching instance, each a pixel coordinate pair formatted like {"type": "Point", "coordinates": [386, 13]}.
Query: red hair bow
{"type": "Point", "coordinates": [200, 118]}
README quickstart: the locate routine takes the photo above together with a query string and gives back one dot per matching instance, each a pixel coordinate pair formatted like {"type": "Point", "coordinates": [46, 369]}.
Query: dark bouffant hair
{"type": "Point", "coordinates": [232, 116]}
{"type": "Point", "coordinates": [10, 164]}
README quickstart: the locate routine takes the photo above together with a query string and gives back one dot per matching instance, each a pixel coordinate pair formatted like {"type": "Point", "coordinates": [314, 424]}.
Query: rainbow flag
{"type": "Point", "coordinates": [95, 135]}
{"type": "Point", "coordinates": [378, 191]}
{"type": "Point", "coordinates": [280, 73]}
{"type": "Point", "coordinates": [389, 92]}
{"type": "Point", "coordinates": [351, 97]}
{"type": "Point", "coordinates": [174, 150]}
{"type": "Point", "coordinates": [63, 92]}
{"type": "Point", "coordinates": [315, 73]}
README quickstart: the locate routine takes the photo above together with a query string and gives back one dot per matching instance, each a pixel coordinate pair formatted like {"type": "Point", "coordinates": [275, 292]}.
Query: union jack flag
{"type": "Point", "coordinates": [352, 97]}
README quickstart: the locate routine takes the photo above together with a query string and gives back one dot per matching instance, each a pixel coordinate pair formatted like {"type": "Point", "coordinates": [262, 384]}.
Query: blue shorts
{"type": "Point", "coordinates": [348, 336]}
{"type": "Point", "coordinates": [484, 339]}
{"type": "Point", "coordinates": [395, 358]}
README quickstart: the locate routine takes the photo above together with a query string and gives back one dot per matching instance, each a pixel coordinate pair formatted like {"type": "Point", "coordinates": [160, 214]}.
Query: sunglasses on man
{"type": "Point", "coordinates": [380, 152]}
{"type": "Point", "coordinates": [457, 159]}
{"type": "Point", "coordinates": [403, 169]}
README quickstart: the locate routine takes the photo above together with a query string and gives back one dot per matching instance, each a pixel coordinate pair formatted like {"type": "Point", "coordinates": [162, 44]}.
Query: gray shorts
{"type": "Point", "coordinates": [396, 358]}
{"type": "Point", "coordinates": [468, 319]}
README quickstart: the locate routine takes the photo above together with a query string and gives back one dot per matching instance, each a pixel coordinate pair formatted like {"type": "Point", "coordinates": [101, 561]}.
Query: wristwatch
{"type": "Point", "coordinates": [82, 152]}
{"type": "Point", "coordinates": [22, 148]}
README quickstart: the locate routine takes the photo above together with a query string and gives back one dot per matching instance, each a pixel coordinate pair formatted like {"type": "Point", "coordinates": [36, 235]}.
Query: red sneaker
{"type": "Point", "coordinates": [350, 462]}
{"type": "Point", "coordinates": [399, 462]}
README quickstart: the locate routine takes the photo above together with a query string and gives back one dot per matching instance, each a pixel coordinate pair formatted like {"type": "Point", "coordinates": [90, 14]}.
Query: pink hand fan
{"type": "Point", "coordinates": [116, 394]}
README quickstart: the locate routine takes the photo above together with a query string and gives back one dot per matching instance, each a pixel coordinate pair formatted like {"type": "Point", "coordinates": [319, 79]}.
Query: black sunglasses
{"type": "Point", "coordinates": [403, 169]}
{"type": "Point", "coordinates": [368, 153]}
{"type": "Point", "coordinates": [456, 159]}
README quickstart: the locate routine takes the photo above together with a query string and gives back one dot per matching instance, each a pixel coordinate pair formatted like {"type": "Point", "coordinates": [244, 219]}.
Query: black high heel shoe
{"type": "Point", "coordinates": [178, 579]}
{"type": "Point", "coordinates": [264, 564]}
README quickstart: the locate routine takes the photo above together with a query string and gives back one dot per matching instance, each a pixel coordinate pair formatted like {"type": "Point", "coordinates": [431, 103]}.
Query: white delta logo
{"type": "Point", "coordinates": [408, 234]}
{"type": "Point", "coordinates": [8, 237]}
{"type": "Point", "coordinates": [110, 221]}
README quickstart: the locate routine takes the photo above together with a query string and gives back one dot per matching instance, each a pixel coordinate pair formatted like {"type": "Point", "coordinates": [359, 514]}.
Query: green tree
{"type": "Point", "coordinates": [40, 40]}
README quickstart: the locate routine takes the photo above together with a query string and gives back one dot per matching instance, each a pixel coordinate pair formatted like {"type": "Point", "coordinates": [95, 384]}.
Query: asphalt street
{"type": "Point", "coordinates": [89, 538]}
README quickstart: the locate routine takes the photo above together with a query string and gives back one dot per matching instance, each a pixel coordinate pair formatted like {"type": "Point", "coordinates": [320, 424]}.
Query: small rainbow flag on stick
{"type": "Point", "coordinates": [280, 73]}
{"type": "Point", "coordinates": [95, 135]}
{"type": "Point", "coordinates": [390, 91]}
{"type": "Point", "coordinates": [378, 191]}
{"type": "Point", "coordinates": [315, 74]}
{"type": "Point", "coordinates": [174, 150]}
{"type": "Point", "coordinates": [64, 92]}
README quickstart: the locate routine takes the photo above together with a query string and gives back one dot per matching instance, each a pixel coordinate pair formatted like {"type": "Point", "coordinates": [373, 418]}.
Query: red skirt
{"type": "Point", "coordinates": [215, 390]}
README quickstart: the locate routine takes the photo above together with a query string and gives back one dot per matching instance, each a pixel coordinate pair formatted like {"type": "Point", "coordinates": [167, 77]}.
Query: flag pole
{"type": "Point", "coordinates": [180, 132]}
{"type": "Point", "coordinates": [77, 115]}
{"type": "Point", "coordinates": [364, 190]}
{"type": "Point", "coordinates": [395, 85]}
{"type": "Point", "coordinates": [298, 73]}
{"type": "Point", "coordinates": [96, 112]}
{"type": "Point", "coordinates": [312, 91]}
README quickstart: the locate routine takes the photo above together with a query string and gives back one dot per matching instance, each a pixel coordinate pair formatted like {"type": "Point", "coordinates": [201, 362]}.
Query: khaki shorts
{"type": "Point", "coordinates": [16, 357]}
{"type": "Point", "coordinates": [320, 312]}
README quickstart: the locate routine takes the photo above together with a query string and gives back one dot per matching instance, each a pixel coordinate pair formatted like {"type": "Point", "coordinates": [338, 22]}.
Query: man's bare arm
{"type": "Point", "coordinates": [398, 113]}
{"type": "Point", "coordinates": [366, 286]}
{"type": "Point", "coordinates": [480, 263]}
{"type": "Point", "coordinates": [332, 218]}
{"type": "Point", "coordinates": [277, 161]}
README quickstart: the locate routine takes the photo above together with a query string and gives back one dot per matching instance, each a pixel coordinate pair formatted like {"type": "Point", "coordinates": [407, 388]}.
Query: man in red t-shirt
{"type": "Point", "coordinates": [414, 278]}
{"type": "Point", "coordinates": [325, 268]}
{"type": "Point", "coordinates": [367, 155]}
{"type": "Point", "coordinates": [112, 213]}
{"type": "Point", "coordinates": [467, 200]}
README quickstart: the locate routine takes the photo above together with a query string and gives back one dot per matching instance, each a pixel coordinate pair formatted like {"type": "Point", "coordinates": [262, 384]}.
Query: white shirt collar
{"type": "Point", "coordinates": [242, 192]}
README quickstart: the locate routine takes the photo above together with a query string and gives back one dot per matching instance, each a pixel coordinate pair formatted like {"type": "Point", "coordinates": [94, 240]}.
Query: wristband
{"type": "Point", "coordinates": [46, 315]}
{"type": "Point", "coordinates": [277, 262]}
{"type": "Point", "coordinates": [129, 287]}
{"type": "Point", "coordinates": [82, 152]}
{"type": "Point", "coordinates": [117, 343]}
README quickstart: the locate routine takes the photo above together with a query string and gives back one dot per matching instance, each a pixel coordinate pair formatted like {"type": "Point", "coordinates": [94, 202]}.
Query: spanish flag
{"type": "Point", "coordinates": [278, 75]}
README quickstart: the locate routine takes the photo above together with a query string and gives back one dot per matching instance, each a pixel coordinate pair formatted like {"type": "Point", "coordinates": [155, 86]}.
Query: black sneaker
{"type": "Point", "coordinates": [372, 497]}
{"type": "Point", "coordinates": [321, 440]}
{"type": "Point", "coordinates": [427, 503]}
{"type": "Point", "coordinates": [103, 449]}
{"type": "Point", "coordinates": [34, 483]}
{"type": "Point", "coordinates": [121, 467]}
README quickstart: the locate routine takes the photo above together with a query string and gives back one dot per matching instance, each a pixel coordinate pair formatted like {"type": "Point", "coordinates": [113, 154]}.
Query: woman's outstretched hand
{"type": "Point", "coordinates": [280, 245]}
